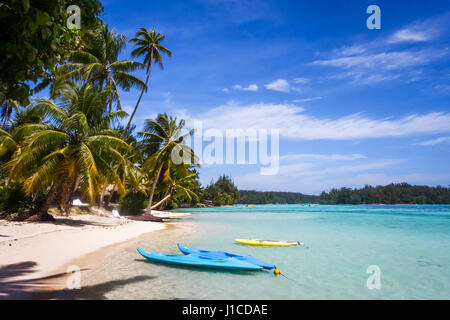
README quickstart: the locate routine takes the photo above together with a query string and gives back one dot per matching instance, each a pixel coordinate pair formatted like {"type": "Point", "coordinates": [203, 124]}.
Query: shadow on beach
{"type": "Point", "coordinates": [82, 223]}
{"type": "Point", "coordinates": [40, 288]}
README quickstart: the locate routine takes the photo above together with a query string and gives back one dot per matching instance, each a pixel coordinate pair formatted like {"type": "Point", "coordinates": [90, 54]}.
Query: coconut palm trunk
{"type": "Point", "coordinates": [162, 201]}
{"type": "Point", "coordinates": [140, 96]}
{"type": "Point", "coordinates": [148, 210]}
{"type": "Point", "coordinates": [41, 213]}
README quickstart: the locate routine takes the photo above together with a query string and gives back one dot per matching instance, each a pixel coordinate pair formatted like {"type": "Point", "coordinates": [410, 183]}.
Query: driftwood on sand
{"type": "Point", "coordinates": [146, 217]}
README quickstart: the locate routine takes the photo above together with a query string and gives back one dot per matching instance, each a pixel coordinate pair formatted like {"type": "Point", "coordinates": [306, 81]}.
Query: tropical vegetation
{"type": "Point", "coordinates": [401, 193]}
{"type": "Point", "coordinates": [222, 192]}
{"type": "Point", "coordinates": [269, 197]}
{"type": "Point", "coordinates": [73, 143]}
{"type": "Point", "coordinates": [79, 142]}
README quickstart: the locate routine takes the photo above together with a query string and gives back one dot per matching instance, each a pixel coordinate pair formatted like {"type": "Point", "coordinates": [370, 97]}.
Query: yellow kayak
{"type": "Point", "coordinates": [269, 243]}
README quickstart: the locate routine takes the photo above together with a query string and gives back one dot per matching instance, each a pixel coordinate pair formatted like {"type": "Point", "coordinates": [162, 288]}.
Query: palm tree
{"type": "Point", "coordinates": [6, 109]}
{"type": "Point", "coordinates": [7, 106]}
{"type": "Point", "coordinates": [24, 121]}
{"type": "Point", "coordinates": [180, 185]}
{"type": "Point", "coordinates": [162, 138]}
{"type": "Point", "coordinates": [98, 62]}
{"type": "Point", "coordinates": [72, 149]}
{"type": "Point", "coordinates": [56, 79]}
{"type": "Point", "coordinates": [148, 44]}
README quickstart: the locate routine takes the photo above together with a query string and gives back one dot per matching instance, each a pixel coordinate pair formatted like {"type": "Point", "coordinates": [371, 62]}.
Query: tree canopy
{"type": "Point", "coordinates": [35, 38]}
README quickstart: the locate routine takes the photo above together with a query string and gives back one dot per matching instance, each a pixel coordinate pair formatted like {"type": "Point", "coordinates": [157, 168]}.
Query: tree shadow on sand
{"type": "Point", "coordinates": [40, 288]}
{"type": "Point", "coordinates": [96, 291]}
{"type": "Point", "coordinates": [11, 288]}
{"type": "Point", "coordinates": [80, 223]}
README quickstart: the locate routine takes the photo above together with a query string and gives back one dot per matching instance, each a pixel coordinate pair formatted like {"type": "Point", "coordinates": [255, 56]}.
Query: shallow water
{"type": "Point", "coordinates": [409, 244]}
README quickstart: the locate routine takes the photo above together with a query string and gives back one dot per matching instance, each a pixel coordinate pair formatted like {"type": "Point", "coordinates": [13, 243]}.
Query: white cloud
{"type": "Point", "coordinates": [306, 99]}
{"type": "Point", "coordinates": [293, 123]}
{"type": "Point", "coordinates": [385, 60]}
{"type": "Point", "coordinates": [313, 177]}
{"type": "Point", "coordinates": [312, 181]}
{"type": "Point", "coordinates": [278, 85]}
{"type": "Point", "coordinates": [225, 90]}
{"type": "Point", "coordinates": [349, 50]}
{"type": "Point", "coordinates": [251, 87]}
{"type": "Point", "coordinates": [167, 99]}
{"type": "Point", "coordinates": [322, 157]}
{"type": "Point", "coordinates": [301, 80]}
{"type": "Point", "coordinates": [382, 59]}
{"type": "Point", "coordinates": [443, 88]}
{"type": "Point", "coordinates": [408, 35]}
{"type": "Point", "coordinates": [421, 31]}
{"type": "Point", "coordinates": [364, 69]}
{"type": "Point", "coordinates": [434, 141]}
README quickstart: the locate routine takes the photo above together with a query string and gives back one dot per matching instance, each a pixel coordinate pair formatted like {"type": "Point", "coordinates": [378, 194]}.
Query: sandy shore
{"type": "Point", "coordinates": [31, 253]}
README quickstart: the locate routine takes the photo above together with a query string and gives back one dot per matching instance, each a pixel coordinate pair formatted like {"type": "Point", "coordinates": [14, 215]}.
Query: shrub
{"type": "Point", "coordinates": [14, 204]}
{"type": "Point", "coordinates": [133, 203]}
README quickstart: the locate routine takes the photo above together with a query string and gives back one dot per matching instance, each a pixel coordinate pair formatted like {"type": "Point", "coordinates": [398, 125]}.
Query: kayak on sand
{"type": "Point", "coordinates": [223, 255]}
{"type": "Point", "coordinates": [194, 260]}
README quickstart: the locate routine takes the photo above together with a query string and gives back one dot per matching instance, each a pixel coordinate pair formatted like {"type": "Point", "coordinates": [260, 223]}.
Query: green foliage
{"type": "Point", "coordinates": [222, 192]}
{"type": "Point", "coordinates": [75, 147]}
{"type": "Point", "coordinates": [13, 199]}
{"type": "Point", "coordinates": [35, 38]}
{"type": "Point", "coordinates": [98, 63]}
{"type": "Point", "coordinates": [161, 139]}
{"type": "Point", "coordinates": [15, 205]}
{"type": "Point", "coordinates": [266, 197]}
{"type": "Point", "coordinates": [133, 203]}
{"type": "Point", "coordinates": [401, 193]}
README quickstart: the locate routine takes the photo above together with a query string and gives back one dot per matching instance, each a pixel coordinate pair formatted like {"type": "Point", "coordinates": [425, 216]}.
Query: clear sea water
{"type": "Point", "coordinates": [409, 244]}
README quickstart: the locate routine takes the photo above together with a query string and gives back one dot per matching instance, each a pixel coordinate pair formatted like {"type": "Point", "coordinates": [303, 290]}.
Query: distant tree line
{"type": "Point", "coordinates": [222, 192]}
{"type": "Point", "coordinates": [401, 193]}
{"type": "Point", "coordinates": [266, 197]}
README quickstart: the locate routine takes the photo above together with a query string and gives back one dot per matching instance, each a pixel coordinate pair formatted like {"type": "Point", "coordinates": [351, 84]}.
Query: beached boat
{"type": "Point", "coordinates": [269, 243]}
{"type": "Point", "coordinates": [223, 255]}
{"type": "Point", "coordinates": [193, 260]}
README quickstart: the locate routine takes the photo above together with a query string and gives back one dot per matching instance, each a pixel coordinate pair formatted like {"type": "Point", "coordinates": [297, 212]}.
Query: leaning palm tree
{"type": "Point", "coordinates": [148, 44]}
{"type": "Point", "coordinates": [180, 185]}
{"type": "Point", "coordinates": [98, 62]}
{"type": "Point", "coordinates": [162, 139]}
{"type": "Point", "coordinates": [72, 149]}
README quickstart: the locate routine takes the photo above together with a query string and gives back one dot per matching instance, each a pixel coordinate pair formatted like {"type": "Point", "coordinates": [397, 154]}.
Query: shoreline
{"type": "Point", "coordinates": [55, 287]}
{"type": "Point", "coordinates": [95, 275]}
{"type": "Point", "coordinates": [34, 255]}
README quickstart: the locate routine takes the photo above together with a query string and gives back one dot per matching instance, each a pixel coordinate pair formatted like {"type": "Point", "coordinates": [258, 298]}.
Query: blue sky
{"type": "Point", "coordinates": [354, 106]}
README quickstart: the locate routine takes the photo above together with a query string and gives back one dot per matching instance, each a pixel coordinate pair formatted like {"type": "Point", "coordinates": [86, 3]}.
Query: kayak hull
{"type": "Point", "coordinates": [193, 260]}
{"type": "Point", "coordinates": [224, 255]}
{"type": "Point", "coordinates": [267, 243]}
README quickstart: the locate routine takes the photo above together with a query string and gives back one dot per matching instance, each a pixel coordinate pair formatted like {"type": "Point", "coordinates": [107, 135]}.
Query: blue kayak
{"type": "Point", "coordinates": [194, 260]}
{"type": "Point", "coordinates": [224, 255]}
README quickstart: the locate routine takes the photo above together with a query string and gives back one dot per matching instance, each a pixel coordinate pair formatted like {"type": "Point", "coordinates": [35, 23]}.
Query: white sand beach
{"type": "Point", "coordinates": [29, 252]}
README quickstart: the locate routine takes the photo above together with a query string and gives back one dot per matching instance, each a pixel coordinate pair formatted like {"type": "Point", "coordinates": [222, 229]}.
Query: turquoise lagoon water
{"type": "Point", "coordinates": [409, 244]}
